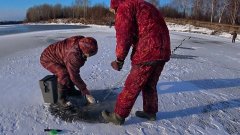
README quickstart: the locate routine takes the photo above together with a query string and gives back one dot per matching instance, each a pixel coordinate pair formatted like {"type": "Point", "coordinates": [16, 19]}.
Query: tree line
{"type": "Point", "coordinates": [220, 11]}
{"type": "Point", "coordinates": [78, 10]}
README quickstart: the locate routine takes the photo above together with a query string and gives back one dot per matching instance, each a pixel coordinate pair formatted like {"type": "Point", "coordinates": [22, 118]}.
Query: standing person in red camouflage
{"type": "Point", "coordinates": [64, 59]}
{"type": "Point", "coordinates": [141, 26]}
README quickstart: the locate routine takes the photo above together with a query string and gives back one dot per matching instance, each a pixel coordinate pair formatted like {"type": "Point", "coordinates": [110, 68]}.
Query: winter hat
{"type": "Point", "coordinates": [88, 45]}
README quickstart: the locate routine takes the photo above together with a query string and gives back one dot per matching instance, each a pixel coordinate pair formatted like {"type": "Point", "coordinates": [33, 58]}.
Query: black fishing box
{"type": "Point", "coordinates": [48, 87]}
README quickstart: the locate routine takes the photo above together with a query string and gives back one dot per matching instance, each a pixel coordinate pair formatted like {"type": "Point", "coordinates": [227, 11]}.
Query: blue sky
{"type": "Point", "coordinates": [16, 9]}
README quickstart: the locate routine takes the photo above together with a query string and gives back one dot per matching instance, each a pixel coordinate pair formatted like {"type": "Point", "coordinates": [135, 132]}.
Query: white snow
{"type": "Point", "coordinates": [198, 90]}
{"type": "Point", "coordinates": [194, 29]}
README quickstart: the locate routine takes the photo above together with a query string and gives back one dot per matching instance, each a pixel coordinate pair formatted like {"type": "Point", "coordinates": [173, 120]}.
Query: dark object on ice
{"type": "Point", "coordinates": [111, 23]}
{"type": "Point", "coordinates": [82, 111]}
{"type": "Point", "coordinates": [50, 130]}
{"type": "Point", "coordinates": [234, 36]}
{"type": "Point", "coordinates": [48, 87]}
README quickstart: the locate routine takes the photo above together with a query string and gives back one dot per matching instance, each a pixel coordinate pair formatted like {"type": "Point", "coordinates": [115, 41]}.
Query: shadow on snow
{"type": "Point", "coordinates": [178, 56]}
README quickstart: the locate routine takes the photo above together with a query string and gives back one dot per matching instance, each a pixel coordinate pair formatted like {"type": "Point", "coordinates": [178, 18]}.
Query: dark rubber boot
{"type": "Point", "coordinates": [142, 114]}
{"type": "Point", "coordinates": [62, 96]}
{"type": "Point", "coordinates": [113, 117]}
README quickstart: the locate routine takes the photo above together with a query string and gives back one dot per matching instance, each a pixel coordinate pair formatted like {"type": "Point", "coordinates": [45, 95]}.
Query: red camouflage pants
{"type": "Point", "coordinates": [141, 78]}
{"type": "Point", "coordinates": [59, 70]}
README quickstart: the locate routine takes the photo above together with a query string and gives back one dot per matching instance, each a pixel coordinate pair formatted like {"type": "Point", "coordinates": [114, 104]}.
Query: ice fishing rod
{"type": "Point", "coordinates": [113, 86]}
{"type": "Point", "coordinates": [180, 44]}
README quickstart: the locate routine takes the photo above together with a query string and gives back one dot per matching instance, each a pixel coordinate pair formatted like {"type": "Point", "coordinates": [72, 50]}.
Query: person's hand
{"type": "Point", "coordinates": [117, 65]}
{"type": "Point", "coordinates": [90, 99]}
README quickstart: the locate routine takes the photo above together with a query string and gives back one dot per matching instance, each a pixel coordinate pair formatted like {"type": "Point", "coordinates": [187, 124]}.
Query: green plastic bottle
{"type": "Point", "coordinates": [53, 132]}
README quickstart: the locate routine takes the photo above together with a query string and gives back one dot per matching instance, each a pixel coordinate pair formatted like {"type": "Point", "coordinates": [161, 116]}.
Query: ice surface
{"type": "Point", "coordinates": [198, 90]}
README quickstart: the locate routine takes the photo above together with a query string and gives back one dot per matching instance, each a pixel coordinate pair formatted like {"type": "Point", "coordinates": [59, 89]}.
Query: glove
{"type": "Point", "coordinates": [117, 65]}
{"type": "Point", "coordinates": [90, 99]}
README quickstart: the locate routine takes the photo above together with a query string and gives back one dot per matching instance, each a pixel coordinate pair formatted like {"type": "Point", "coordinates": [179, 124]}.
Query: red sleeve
{"type": "Point", "coordinates": [73, 67]}
{"type": "Point", "coordinates": [124, 25]}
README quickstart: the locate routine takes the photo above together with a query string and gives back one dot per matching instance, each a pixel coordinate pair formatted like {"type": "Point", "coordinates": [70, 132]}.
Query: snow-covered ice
{"type": "Point", "coordinates": [198, 90]}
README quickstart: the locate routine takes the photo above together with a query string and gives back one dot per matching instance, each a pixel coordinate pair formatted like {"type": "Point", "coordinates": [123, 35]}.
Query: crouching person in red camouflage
{"type": "Point", "coordinates": [64, 59]}
{"type": "Point", "coordinates": [141, 26]}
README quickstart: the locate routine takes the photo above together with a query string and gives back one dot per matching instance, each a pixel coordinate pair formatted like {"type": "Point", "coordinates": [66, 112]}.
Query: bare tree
{"type": "Point", "coordinates": [57, 11]}
{"type": "Point", "coordinates": [197, 6]}
{"type": "Point", "coordinates": [180, 6]}
{"type": "Point", "coordinates": [85, 7]}
{"type": "Point", "coordinates": [82, 4]}
{"type": "Point", "coordinates": [213, 4]}
{"type": "Point", "coordinates": [76, 7]}
{"type": "Point", "coordinates": [221, 8]}
{"type": "Point", "coordinates": [185, 4]}
{"type": "Point", "coordinates": [233, 8]}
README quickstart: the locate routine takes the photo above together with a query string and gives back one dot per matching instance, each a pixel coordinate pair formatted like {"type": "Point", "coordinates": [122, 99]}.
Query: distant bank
{"type": "Point", "coordinates": [10, 22]}
{"type": "Point", "coordinates": [23, 28]}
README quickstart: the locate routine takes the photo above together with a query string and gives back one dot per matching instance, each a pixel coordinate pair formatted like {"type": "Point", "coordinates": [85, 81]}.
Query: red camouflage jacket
{"type": "Point", "coordinates": [67, 54]}
{"type": "Point", "coordinates": [140, 25]}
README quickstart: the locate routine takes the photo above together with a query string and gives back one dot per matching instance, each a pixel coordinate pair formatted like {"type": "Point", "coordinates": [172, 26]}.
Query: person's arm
{"type": "Point", "coordinates": [125, 29]}
{"type": "Point", "coordinates": [73, 66]}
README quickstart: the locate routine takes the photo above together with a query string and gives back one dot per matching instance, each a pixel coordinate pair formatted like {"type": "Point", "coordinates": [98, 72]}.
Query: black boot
{"type": "Point", "coordinates": [142, 114]}
{"type": "Point", "coordinates": [62, 96]}
{"type": "Point", "coordinates": [113, 117]}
